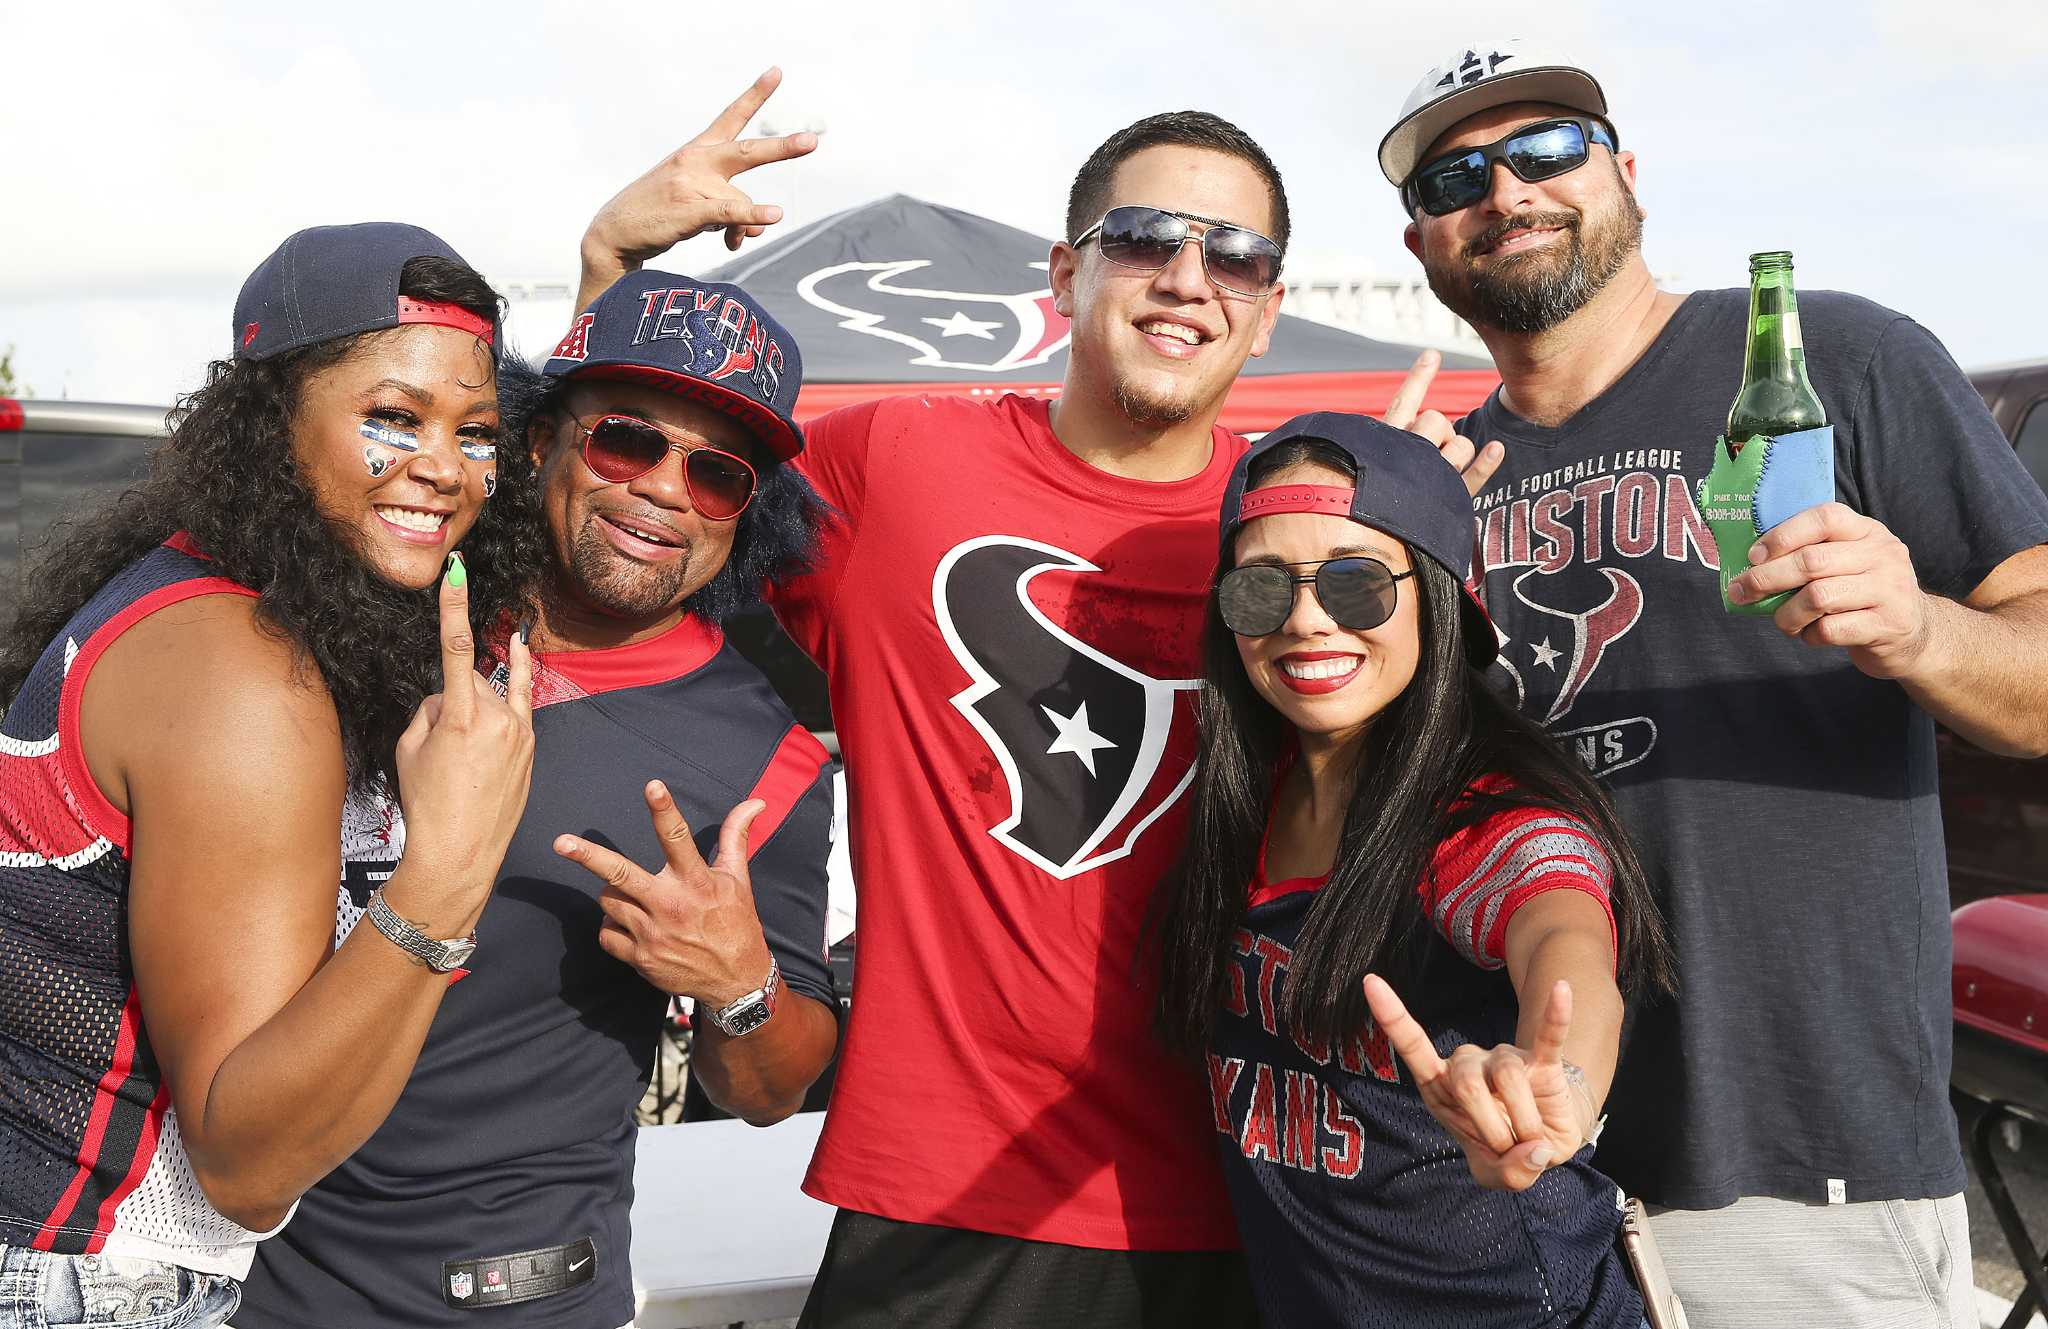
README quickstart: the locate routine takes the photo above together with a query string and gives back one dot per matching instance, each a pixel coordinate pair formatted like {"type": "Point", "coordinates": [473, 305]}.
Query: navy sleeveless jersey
{"type": "Point", "coordinates": [515, 1132]}
{"type": "Point", "coordinates": [1356, 1207]}
{"type": "Point", "coordinates": [90, 1156]}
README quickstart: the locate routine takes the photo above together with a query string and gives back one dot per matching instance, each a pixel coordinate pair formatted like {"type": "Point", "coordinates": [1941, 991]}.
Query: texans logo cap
{"type": "Point", "coordinates": [334, 281]}
{"type": "Point", "coordinates": [1404, 487]}
{"type": "Point", "coordinates": [706, 340]}
{"type": "Point", "coordinates": [1478, 78]}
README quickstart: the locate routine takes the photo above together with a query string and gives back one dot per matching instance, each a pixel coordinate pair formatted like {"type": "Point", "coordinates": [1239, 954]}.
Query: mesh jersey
{"type": "Point", "coordinates": [90, 1157]}
{"type": "Point", "coordinates": [515, 1131]}
{"type": "Point", "coordinates": [1011, 638]}
{"type": "Point", "coordinates": [1355, 1205]}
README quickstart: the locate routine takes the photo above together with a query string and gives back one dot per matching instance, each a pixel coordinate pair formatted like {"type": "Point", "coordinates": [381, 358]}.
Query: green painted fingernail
{"type": "Point", "coordinates": [458, 576]}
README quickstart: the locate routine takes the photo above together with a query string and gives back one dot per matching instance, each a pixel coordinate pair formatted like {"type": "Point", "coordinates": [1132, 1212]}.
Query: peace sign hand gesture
{"type": "Point", "coordinates": [687, 193]}
{"type": "Point", "coordinates": [690, 930]}
{"type": "Point", "coordinates": [1514, 1111]}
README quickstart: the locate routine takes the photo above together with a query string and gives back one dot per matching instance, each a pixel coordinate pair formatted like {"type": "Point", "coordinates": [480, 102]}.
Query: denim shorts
{"type": "Point", "coordinates": [43, 1291]}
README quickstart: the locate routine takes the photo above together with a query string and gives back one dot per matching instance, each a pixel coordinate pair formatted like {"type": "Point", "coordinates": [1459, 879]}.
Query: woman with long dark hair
{"type": "Point", "coordinates": [221, 690]}
{"type": "Point", "coordinates": [1364, 804]}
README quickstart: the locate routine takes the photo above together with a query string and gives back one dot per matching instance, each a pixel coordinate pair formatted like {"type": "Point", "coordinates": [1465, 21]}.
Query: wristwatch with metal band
{"type": "Point", "coordinates": [439, 956]}
{"type": "Point", "coordinates": [744, 1016]}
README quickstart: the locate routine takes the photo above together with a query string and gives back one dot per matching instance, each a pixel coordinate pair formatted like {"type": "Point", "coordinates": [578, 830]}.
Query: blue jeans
{"type": "Point", "coordinates": [43, 1291]}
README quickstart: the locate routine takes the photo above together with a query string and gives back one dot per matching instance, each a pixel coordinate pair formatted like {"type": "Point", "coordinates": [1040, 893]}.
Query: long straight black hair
{"type": "Point", "coordinates": [1413, 790]}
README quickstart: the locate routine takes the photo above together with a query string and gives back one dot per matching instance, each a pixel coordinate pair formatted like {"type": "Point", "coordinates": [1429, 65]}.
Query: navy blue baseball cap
{"type": "Point", "coordinates": [334, 281]}
{"type": "Point", "coordinates": [706, 340]}
{"type": "Point", "coordinates": [1404, 487]}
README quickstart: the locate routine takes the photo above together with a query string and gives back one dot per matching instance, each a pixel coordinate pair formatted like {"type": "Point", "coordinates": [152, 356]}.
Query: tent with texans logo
{"type": "Point", "coordinates": [903, 296]}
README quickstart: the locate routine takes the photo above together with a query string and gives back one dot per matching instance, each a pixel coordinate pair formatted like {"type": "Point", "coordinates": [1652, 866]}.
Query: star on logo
{"type": "Point", "coordinates": [1545, 656]}
{"type": "Point", "coordinates": [1075, 736]}
{"type": "Point", "coordinates": [962, 326]}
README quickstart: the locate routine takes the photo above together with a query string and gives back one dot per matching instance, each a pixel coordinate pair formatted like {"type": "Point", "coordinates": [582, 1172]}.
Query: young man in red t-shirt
{"type": "Point", "coordinates": [1009, 611]}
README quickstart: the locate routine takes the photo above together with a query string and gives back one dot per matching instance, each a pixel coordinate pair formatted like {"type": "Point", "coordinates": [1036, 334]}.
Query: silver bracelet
{"type": "Point", "coordinates": [440, 956]}
{"type": "Point", "coordinates": [1576, 1078]}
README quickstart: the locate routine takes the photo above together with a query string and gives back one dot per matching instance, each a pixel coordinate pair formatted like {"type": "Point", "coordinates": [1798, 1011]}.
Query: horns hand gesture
{"type": "Point", "coordinates": [1515, 1111]}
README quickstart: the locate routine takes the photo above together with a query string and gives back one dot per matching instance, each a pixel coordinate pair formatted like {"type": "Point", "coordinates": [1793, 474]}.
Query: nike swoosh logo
{"type": "Point", "coordinates": [579, 1264]}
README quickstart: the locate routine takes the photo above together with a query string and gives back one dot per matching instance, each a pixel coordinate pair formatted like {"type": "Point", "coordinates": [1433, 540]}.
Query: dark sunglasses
{"type": "Point", "coordinates": [620, 448]}
{"type": "Point", "coordinates": [1356, 593]}
{"type": "Point", "coordinates": [1235, 259]}
{"type": "Point", "coordinates": [1533, 152]}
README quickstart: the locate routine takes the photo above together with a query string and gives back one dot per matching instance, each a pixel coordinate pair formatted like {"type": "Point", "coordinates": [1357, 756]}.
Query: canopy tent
{"type": "Point", "coordinates": [903, 296]}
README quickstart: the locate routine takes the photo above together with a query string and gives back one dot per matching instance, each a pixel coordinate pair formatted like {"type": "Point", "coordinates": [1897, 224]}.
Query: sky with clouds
{"type": "Point", "coordinates": [154, 153]}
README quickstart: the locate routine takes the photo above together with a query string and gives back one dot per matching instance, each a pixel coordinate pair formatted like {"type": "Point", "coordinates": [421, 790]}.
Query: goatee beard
{"type": "Point", "coordinates": [1151, 411]}
{"type": "Point", "coordinates": [1536, 291]}
{"type": "Point", "coordinates": [604, 581]}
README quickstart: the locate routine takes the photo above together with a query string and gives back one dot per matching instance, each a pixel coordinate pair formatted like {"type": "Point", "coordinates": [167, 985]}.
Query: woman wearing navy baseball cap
{"type": "Point", "coordinates": [220, 690]}
{"type": "Point", "coordinates": [1365, 805]}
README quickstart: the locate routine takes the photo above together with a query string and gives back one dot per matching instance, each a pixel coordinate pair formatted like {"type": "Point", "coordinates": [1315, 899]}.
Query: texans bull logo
{"type": "Point", "coordinates": [945, 329]}
{"type": "Point", "coordinates": [710, 355]}
{"type": "Point", "coordinates": [1093, 750]}
{"type": "Point", "coordinates": [1581, 611]}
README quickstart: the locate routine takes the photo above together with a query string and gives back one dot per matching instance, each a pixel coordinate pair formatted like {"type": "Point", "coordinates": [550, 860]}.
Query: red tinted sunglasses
{"type": "Point", "coordinates": [621, 448]}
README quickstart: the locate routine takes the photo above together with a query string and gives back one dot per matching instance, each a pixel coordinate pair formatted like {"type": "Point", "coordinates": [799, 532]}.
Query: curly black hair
{"type": "Point", "coordinates": [778, 533]}
{"type": "Point", "coordinates": [227, 476]}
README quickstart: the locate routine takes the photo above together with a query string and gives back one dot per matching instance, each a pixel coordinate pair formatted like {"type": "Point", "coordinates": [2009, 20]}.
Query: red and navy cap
{"type": "Point", "coordinates": [334, 281]}
{"type": "Point", "coordinates": [1404, 487]}
{"type": "Point", "coordinates": [706, 340]}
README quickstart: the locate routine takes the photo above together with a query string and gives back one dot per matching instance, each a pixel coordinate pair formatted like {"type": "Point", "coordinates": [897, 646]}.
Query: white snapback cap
{"type": "Point", "coordinates": [1477, 78]}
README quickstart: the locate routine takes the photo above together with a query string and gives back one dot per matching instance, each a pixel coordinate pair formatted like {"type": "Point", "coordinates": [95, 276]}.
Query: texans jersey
{"type": "Point", "coordinates": [1356, 1206]}
{"type": "Point", "coordinates": [1012, 641]}
{"type": "Point", "coordinates": [502, 1181]}
{"type": "Point", "coordinates": [90, 1155]}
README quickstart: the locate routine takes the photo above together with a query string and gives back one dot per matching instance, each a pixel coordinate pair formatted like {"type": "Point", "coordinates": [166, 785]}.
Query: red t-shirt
{"type": "Point", "coordinates": [1012, 639]}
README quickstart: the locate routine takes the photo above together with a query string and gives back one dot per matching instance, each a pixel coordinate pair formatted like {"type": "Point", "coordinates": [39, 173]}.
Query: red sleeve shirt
{"type": "Point", "coordinates": [1486, 872]}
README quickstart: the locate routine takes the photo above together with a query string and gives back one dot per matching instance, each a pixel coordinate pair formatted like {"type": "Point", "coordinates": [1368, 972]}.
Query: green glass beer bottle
{"type": "Point", "coordinates": [1777, 421]}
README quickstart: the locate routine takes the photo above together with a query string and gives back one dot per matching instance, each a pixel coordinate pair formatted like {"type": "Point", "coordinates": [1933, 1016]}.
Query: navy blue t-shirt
{"type": "Point", "coordinates": [1356, 1207]}
{"type": "Point", "coordinates": [1783, 802]}
{"type": "Point", "coordinates": [515, 1132]}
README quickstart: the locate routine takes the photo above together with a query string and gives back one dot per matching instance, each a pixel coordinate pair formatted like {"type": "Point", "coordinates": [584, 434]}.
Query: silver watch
{"type": "Point", "coordinates": [743, 1016]}
{"type": "Point", "coordinates": [439, 956]}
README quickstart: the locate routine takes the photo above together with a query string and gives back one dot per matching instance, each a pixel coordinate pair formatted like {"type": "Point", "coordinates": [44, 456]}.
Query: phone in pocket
{"type": "Point", "coordinates": [1660, 1303]}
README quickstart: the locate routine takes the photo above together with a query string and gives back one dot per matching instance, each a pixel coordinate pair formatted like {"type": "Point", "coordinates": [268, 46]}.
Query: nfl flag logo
{"type": "Point", "coordinates": [461, 1285]}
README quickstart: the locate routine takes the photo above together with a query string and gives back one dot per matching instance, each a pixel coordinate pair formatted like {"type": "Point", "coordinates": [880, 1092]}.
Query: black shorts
{"type": "Point", "coordinates": [881, 1274]}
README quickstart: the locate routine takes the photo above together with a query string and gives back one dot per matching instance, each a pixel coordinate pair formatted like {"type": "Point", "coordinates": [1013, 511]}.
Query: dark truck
{"type": "Point", "coordinates": [57, 457]}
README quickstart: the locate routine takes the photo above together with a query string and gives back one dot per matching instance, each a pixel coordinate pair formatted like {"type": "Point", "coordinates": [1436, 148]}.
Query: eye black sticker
{"type": "Point", "coordinates": [378, 432]}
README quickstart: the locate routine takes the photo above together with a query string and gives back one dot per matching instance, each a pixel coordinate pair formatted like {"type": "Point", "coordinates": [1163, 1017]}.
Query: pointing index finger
{"type": "Point", "coordinates": [1403, 1033]}
{"type": "Point", "coordinates": [458, 646]}
{"type": "Point", "coordinates": [734, 118]}
{"type": "Point", "coordinates": [1407, 402]}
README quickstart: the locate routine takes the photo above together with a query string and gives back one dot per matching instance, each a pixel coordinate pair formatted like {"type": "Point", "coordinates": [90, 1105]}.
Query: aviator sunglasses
{"type": "Point", "coordinates": [1235, 259]}
{"type": "Point", "coordinates": [1357, 593]}
{"type": "Point", "coordinates": [1533, 152]}
{"type": "Point", "coordinates": [620, 448]}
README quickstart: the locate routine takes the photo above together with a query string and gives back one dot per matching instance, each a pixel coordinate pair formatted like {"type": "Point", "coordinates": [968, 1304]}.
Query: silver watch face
{"type": "Point", "coordinates": [746, 1019]}
{"type": "Point", "coordinates": [453, 955]}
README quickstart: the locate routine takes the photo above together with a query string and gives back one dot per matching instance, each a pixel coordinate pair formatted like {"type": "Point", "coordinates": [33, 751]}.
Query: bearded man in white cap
{"type": "Point", "coordinates": [1787, 1114]}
